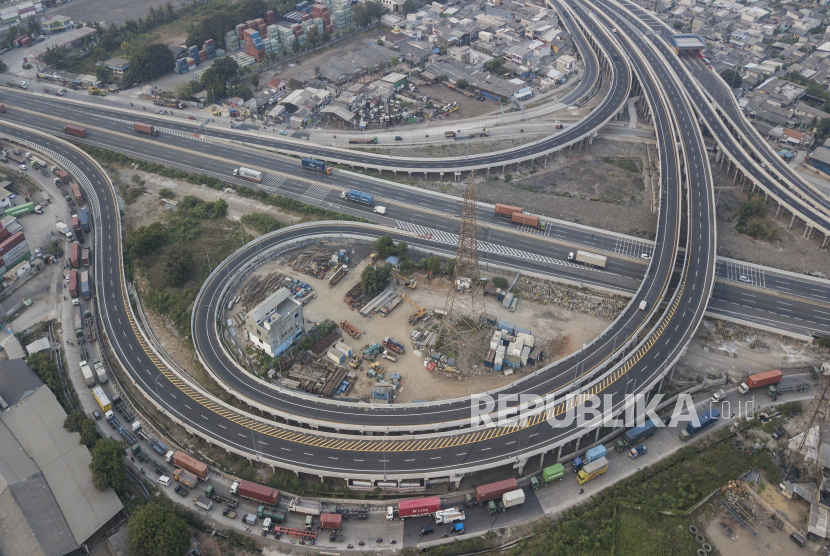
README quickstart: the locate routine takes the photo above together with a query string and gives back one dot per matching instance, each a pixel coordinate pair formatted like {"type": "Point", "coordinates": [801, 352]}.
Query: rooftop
{"type": "Point", "coordinates": [279, 303]}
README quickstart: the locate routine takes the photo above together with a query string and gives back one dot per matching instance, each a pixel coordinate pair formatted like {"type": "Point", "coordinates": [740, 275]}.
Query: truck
{"type": "Point", "coordinates": [592, 471]}
{"type": "Point", "coordinates": [506, 210]}
{"type": "Point", "coordinates": [449, 134]}
{"type": "Point", "coordinates": [20, 210]}
{"type": "Point", "coordinates": [185, 477]}
{"type": "Point", "coordinates": [316, 165]}
{"type": "Point", "coordinates": [90, 328]}
{"type": "Point", "coordinates": [367, 141]}
{"type": "Point", "coordinates": [89, 378]}
{"type": "Point", "coordinates": [147, 129]}
{"type": "Point", "coordinates": [65, 230]}
{"type": "Point", "coordinates": [494, 490]}
{"type": "Point", "coordinates": [450, 515]}
{"type": "Point", "coordinates": [774, 391]}
{"type": "Point", "coordinates": [75, 130]}
{"type": "Point", "coordinates": [76, 225]}
{"type": "Point", "coordinates": [217, 496]}
{"type": "Point", "coordinates": [102, 399]}
{"type": "Point", "coordinates": [180, 459]}
{"type": "Point", "coordinates": [588, 259]}
{"type": "Point", "coordinates": [75, 255]}
{"type": "Point", "coordinates": [63, 176]}
{"type": "Point", "coordinates": [85, 257]}
{"type": "Point", "coordinates": [73, 284]}
{"type": "Point", "coordinates": [338, 275]}
{"type": "Point", "coordinates": [760, 379]}
{"type": "Point", "coordinates": [38, 163]}
{"type": "Point", "coordinates": [79, 323]}
{"type": "Point", "coordinates": [591, 455]}
{"type": "Point", "coordinates": [708, 419]}
{"type": "Point", "coordinates": [297, 506]}
{"type": "Point", "coordinates": [83, 216]}
{"type": "Point", "coordinates": [553, 473]}
{"type": "Point", "coordinates": [85, 290]}
{"type": "Point", "coordinates": [248, 174]}
{"type": "Point", "coordinates": [76, 193]}
{"type": "Point", "coordinates": [253, 491]}
{"type": "Point", "coordinates": [414, 508]}
{"type": "Point", "coordinates": [358, 197]}
{"type": "Point", "coordinates": [719, 395]}
{"type": "Point", "coordinates": [271, 512]}
{"type": "Point", "coordinates": [634, 453]}
{"type": "Point", "coordinates": [393, 344]}
{"type": "Point", "coordinates": [203, 503]}
{"type": "Point", "coordinates": [634, 435]}
{"type": "Point", "coordinates": [513, 499]}
{"type": "Point", "coordinates": [100, 372]}
{"type": "Point", "coordinates": [331, 521]}
{"type": "Point", "coordinates": [457, 529]}
{"type": "Point", "coordinates": [528, 220]}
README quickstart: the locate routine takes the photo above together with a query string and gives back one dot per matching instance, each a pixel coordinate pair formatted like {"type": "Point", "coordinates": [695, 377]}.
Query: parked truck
{"type": "Point", "coordinates": [316, 165]}
{"type": "Point", "coordinates": [592, 470]}
{"type": "Point", "coordinates": [147, 129]}
{"type": "Point", "coordinates": [506, 211]}
{"type": "Point", "coordinates": [494, 490]}
{"type": "Point", "coordinates": [89, 378]}
{"type": "Point", "coordinates": [272, 512]}
{"type": "Point", "coordinates": [634, 435]}
{"type": "Point", "coordinates": [513, 499]}
{"type": "Point", "coordinates": [62, 176]}
{"type": "Point", "coordinates": [760, 379]}
{"type": "Point", "coordinates": [75, 130]}
{"type": "Point", "coordinates": [73, 284]}
{"type": "Point", "coordinates": [85, 289]}
{"type": "Point", "coordinates": [588, 259]}
{"type": "Point", "coordinates": [338, 275]}
{"type": "Point", "coordinates": [65, 230]}
{"type": "Point", "coordinates": [185, 477]}
{"type": "Point", "coordinates": [414, 508]}
{"type": "Point", "coordinates": [203, 503]}
{"type": "Point", "coordinates": [553, 473]}
{"type": "Point", "coordinates": [103, 401]}
{"type": "Point", "coordinates": [331, 521]}
{"type": "Point", "coordinates": [75, 255]}
{"type": "Point", "coordinates": [85, 257]}
{"type": "Point", "coordinates": [450, 515]}
{"type": "Point", "coordinates": [89, 324]}
{"type": "Point", "coordinates": [217, 496]}
{"type": "Point", "coordinates": [307, 507]}
{"type": "Point", "coordinates": [393, 344]}
{"type": "Point", "coordinates": [20, 210]}
{"type": "Point", "coordinates": [774, 392]}
{"type": "Point", "coordinates": [708, 419]}
{"type": "Point", "coordinates": [253, 491]}
{"type": "Point", "coordinates": [248, 174]}
{"type": "Point", "coordinates": [100, 372]}
{"type": "Point", "coordinates": [180, 459]}
{"type": "Point", "coordinates": [84, 217]}
{"type": "Point", "coordinates": [79, 322]}
{"type": "Point", "coordinates": [76, 193]}
{"type": "Point", "coordinates": [719, 395]}
{"type": "Point", "coordinates": [590, 456]}
{"type": "Point", "coordinates": [358, 197]}
{"type": "Point", "coordinates": [528, 220]}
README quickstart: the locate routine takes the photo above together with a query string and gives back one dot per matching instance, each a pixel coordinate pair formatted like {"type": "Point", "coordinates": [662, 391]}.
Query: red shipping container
{"type": "Point", "coordinates": [25, 41]}
{"type": "Point", "coordinates": [202, 56]}
{"type": "Point", "coordinates": [73, 284]}
{"type": "Point", "coordinates": [75, 255]}
{"type": "Point", "coordinates": [85, 257]}
{"type": "Point", "coordinates": [259, 493]}
{"type": "Point", "coordinates": [259, 21]}
{"type": "Point", "coordinates": [331, 521]}
{"type": "Point", "coordinates": [329, 28]}
{"type": "Point", "coordinates": [419, 506]}
{"type": "Point", "coordinates": [76, 224]}
{"type": "Point", "coordinates": [191, 464]}
{"type": "Point", "coordinates": [64, 177]}
{"type": "Point", "coordinates": [494, 490]}
{"type": "Point", "coordinates": [306, 17]}
{"type": "Point", "coordinates": [507, 210]}
{"type": "Point", "coordinates": [525, 219]}
{"type": "Point", "coordinates": [4, 233]}
{"type": "Point", "coordinates": [208, 43]}
{"type": "Point", "coordinates": [270, 18]}
{"type": "Point", "coordinates": [764, 379]}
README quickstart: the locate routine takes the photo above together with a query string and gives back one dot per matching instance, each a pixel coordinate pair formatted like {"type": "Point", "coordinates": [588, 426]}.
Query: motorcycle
{"type": "Point", "coordinates": [361, 543]}
{"type": "Point", "coordinates": [379, 539]}
{"type": "Point", "coordinates": [350, 546]}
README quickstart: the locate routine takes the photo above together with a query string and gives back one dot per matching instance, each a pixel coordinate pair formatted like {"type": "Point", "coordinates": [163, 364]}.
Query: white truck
{"type": "Point", "coordinates": [248, 174]}
{"type": "Point", "coordinates": [450, 515]}
{"type": "Point", "coordinates": [719, 396]}
{"type": "Point", "coordinates": [88, 376]}
{"type": "Point", "coordinates": [65, 230]}
{"type": "Point", "coordinates": [513, 498]}
{"type": "Point", "coordinates": [588, 259]}
{"type": "Point", "coordinates": [101, 372]}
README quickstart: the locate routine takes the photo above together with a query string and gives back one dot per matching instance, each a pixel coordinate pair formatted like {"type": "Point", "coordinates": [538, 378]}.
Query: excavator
{"type": "Point", "coordinates": [419, 313]}
{"type": "Point", "coordinates": [411, 284]}
{"type": "Point", "coordinates": [97, 91]}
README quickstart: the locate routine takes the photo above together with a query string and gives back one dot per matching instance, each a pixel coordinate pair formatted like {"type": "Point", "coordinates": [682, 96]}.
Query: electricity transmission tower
{"type": "Point", "coordinates": [463, 329]}
{"type": "Point", "coordinates": [817, 410]}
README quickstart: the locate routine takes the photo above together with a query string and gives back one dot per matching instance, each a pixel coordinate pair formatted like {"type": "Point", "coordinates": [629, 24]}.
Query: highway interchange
{"type": "Point", "coordinates": [681, 275]}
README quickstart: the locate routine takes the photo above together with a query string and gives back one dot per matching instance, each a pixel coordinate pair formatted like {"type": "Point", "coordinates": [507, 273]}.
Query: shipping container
{"type": "Point", "coordinates": [73, 284]}
{"type": "Point", "coordinates": [513, 498]}
{"type": "Point", "coordinates": [74, 255]}
{"type": "Point", "coordinates": [553, 473]}
{"type": "Point", "coordinates": [414, 508]}
{"type": "Point", "coordinates": [85, 257]}
{"type": "Point", "coordinates": [193, 465]}
{"type": "Point", "coordinates": [494, 490]}
{"type": "Point", "coordinates": [256, 492]}
{"type": "Point", "coordinates": [185, 477]}
{"type": "Point", "coordinates": [89, 378]}
{"type": "Point", "coordinates": [709, 418]}
{"type": "Point", "coordinates": [83, 216]}
{"type": "Point", "coordinates": [592, 470]}
{"type": "Point", "coordinates": [102, 399]}
{"type": "Point", "coordinates": [331, 521]}
{"type": "Point", "coordinates": [525, 219]}
{"type": "Point", "coordinates": [760, 379]}
{"type": "Point", "coordinates": [75, 130]}
{"type": "Point", "coordinates": [76, 193]}
{"type": "Point", "coordinates": [146, 129]}
{"type": "Point", "coordinates": [63, 176]}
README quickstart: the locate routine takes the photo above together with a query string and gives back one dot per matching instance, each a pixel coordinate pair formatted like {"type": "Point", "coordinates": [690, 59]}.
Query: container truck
{"type": "Point", "coordinates": [506, 210]}
{"type": "Point", "coordinates": [708, 419]}
{"type": "Point", "coordinates": [253, 491]}
{"type": "Point", "coordinates": [89, 378]}
{"type": "Point", "coordinates": [527, 220]}
{"type": "Point", "coordinates": [368, 141]}
{"type": "Point", "coordinates": [553, 473]}
{"type": "Point", "coordinates": [297, 506]}
{"type": "Point", "coordinates": [588, 259]}
{"type": "Point", "coordinates": [331, 521]}
{"type": "Point", "coordinates": [217, 496]}
{"type": "Point", "coordinates": [76, 225]}
{"type": "Point", "coordinates": [774, 392]}
{"type": "Point", "coordinates": [449, 134]}
{"type": "Point", "coordinates": [102, 399]}
{"type": "Point", "coordinates": [760, 379]}
{"type": "Point", "coordinates": [85, 257]}
{"type": "Point", "coordinates": [414, 508]}
{"type": "Point", "coordinates": [358, 197]}
{"type": "Point", "coordinates": [248, 174]}
{"type": "Point", "coordinates": [591, 455]}
{"type": "Point", "coordinates": [185, 477]}
{"type": "Point", "coordinates": [75, 130]}
{"type": "Point", "coordinates": [193, 465]}
{"type": "Point", "coordinates": [450, 515]}
{"type": "Point", "coordinates": [393, 344]}
{"type": "Point", "coordinates": [316, 165]}
{"type": "Point", "coordinates": [38, 163]}
{"type": "Point", "coordinates": [85, 290]}
{"type": "Point", "coordinates": [84, 217]}
{"type": "Point", "coordinates": [147, 129]}
{"type": "Point", "coordinates": [203, 503]}
{"type": "Point", "coordinates": [272, 512]}
{"type": "Point", "coordinates": [75, 255]}
{"type": "Point", "coordinates": [513, 499]}
{"type": "Point", "coordinates": [79, 322]}
{"type": "Point", "coordinates": [76, 193]}
{"type": "Point", "coordinates": [73, 284]}
{"type": "Point", "coordinates": [101, 372]}
{"type": "Point", "coordinates": [592, 470]}
{"type": "Point", "coordinates": [63, 176]}
{"type": "Point", "coordinates": [494, 490]}
{"type": "Point", "coordinates": [634, 435]}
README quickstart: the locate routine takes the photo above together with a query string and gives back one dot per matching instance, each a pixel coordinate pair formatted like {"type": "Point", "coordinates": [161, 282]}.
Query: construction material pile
{"type": "Point", "coordinates": [315, 262]}
{"type": "Point", "coordinates": [260, 287]}
{"type": "Point", "coordinates": [548, 293]}
{"type": "Point", "coordinates": [355, 298]}
{"type": "Point", "coordinates": [319, 376]}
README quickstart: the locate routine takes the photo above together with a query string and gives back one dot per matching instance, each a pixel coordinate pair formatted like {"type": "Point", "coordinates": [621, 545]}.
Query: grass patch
{"type": "Point", "coordinates": [642, 533]}
{"type": "Point", "coordinates": [631, 165]}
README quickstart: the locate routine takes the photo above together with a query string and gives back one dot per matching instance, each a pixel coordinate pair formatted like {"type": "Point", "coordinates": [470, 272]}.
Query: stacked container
{"type": "Point", "coordinates": [231, 40]}
{"type": "Point", "coordinates": [210, 49]}
{"type": "Point", "coordinates": [193, 52]}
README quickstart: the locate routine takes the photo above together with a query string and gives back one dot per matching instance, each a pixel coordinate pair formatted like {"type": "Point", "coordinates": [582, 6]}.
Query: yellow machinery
{"type": "Point", "coordinates": [97, 91]}
{"type": "Point", "coordinates": [419, 313]}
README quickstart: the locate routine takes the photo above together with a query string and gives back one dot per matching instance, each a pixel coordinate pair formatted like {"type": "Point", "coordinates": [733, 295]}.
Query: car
{"type": "Point", "coordinates": [646, 256]}
{"type": "Point", "coordinates": [24, 85]}
{"type": "Point", "coordinates": [23, 167]}
{"type": "Point", "coordinates": [398, 138]}
{"type": "Point", "coordinates": [38, 254]}
{"type": "Point", "coordinates": [744, 279]}
{"type": "Point", "coordinates": [96, 414]}
{"type": "Point", "coordinates": [191, 117]}
{"type": "Point", "coordinates": [181, 491]}
{"type": "Point", "coordinates": [428, 530]}
{"type": "Point", "coordinates": [233, 125]}
{"type": "Point", "coordinates": [159, 111]}
{"type": "Point", "coordinates": [283, 132]}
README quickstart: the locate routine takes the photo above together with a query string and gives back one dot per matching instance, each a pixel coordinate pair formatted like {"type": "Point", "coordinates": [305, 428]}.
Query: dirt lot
{"type": "Point", "coordinates": [565, 328]}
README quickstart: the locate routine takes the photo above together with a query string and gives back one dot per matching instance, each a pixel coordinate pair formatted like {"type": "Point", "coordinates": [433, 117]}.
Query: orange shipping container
{"type": "Point", "coordinates": [507, 210]}
{"type": "Point", "coordinates": [193, 465]}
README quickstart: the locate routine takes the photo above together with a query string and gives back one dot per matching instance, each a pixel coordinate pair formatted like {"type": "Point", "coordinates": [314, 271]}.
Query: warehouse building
{"type": "Point", "coordinates": [274, 324]}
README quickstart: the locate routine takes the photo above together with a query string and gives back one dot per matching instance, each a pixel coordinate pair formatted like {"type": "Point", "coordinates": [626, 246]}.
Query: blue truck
{"type": "Point", "coordinates": [632, 436]}
{"type": "Point", "coordinates": [591, 455]}
{"type": "Point", "coordinates": [708, 419]}
{"type": "Point", "coordinates": [358, 197]}
{"type": "Point", "coordinates": [315, 165]}
{"type": "Point", "coordinates": [457, 528]}
{"type": "Point", "coordinates": [84, 219]}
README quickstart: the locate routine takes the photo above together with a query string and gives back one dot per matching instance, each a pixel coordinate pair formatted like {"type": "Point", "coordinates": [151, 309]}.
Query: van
{"type": "Point", "coordinates": [426, 530]}
{"type": "Point", "coordinates": [798, 539]}
{"type": "Point", "coordinates": [164, 480]}
{"type": "Point", "coordinates": [398, 138]}
{"type": "Point", "coordinates": [643, 305]}
{"type": "Point", "coordinates": [380, 210]}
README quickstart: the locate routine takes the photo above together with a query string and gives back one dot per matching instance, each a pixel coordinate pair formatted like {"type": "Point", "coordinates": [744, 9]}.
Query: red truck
{"type": "Point", "coordinates": [74, 255]}
{"type": "Point", "coordinates": [85, 257]}
{"type": "Point", "coordinates": [507, 210]}
{"type": "Point", "coordinates": [76, 224]}
{"type": "Point", "coordinates": [256, 492]}
{"type": "Point", "coordinates": [73, 284]}
{"type": "Point", "coordinates": [761, 379]}
{"type": "Point", "coordinates": [414, 508]}
{"type": "Point", "coordinates": [145, 128]}
{"type": "Point", "coordinates": [76, 192]}
{"type": "Point", "coordinates": [331, 521]}
{"type": "Point", "coordinates": [63, 176]}
{"type": "Point", "coordinates": [525, 219]}
{"type": "Point", "coordinates": [495, 490]}
{"type": "Point", "coordinates": [75, 130]}
{"type": "Point", "coordinates": [193, 465]}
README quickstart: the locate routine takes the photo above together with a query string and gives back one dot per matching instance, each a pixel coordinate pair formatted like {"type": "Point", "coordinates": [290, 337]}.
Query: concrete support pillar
{"type": "Point", "coordinates": [297, 473]}
{"type": "Point", "coordinates": [824, 243]}
{"type": "Point", "coordinates": [542, 461]}
{"type": "Point", "coordinates": [410, 173]}
{"type": "Point", "coordinates": [721, 162]}
{"type": "Point", "coordinates": [488, 172]}
{"type": "Point", "coordinates": [440, 176]}
{"type": "Point", "coordinates": [559, 454]}
{"type": "Point", "coordinates": [502, 171]}
{"type": "Point", "coordinates": [792, 222]}
{"type": "Point", "coordinates": [596, 437]}
{"type": "Point", "coordinates": [457, 480]}
{"type": "Point", "coordinates": [578, 440]}
{"type": "Point", "coordinates": [660, 386]}
{"type": "Point", "coordinates": [322, 479]}
{"type": "Point", "coordinates": [521, 467]}
{"type": "Point", "coordinates": [546, 160]}
{"type": "Point", "coordinates": [580, 146]}
{"type": "Point", "coordinates": [806, 230]}
{"type": "Point", "coordinates": [777, 212]}
{"type": "Point", "coordinates": [735, 178]}
{"type": "Point", "coordinates": [591, 140]}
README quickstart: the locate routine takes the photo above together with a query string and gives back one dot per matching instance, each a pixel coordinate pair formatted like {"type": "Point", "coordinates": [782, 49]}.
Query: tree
{"type": "Point", "coordinates": [386, 246]}
{"type": "Point", "coordinates": [462, 84]}
{"type": "Point", "coordinates": [677, 25]}
{"type": "Point", "coordinates": [185, 90]}
{"type": "Point", "coordinates": [55, 57]}
{"type": "Point", "coordinates": [325, 37]}
{"type": "Point", "coordinates": [149, 62]}
{"type": "Point", "coordinates": [732, 78]}
{"type": "Point", "coordinates": [374, 279]}
{"type": "Point", "coordinates": [254, 79]}
{"type": "Point", "coordinates": [157, 530]}
{"type": "Point", "coordinates": [89, 433]}
{"type": "Point", "coordinates": [295, 44]}
{"type": "Point", "coordinates": [408, 7]}
{"type": "Point", "coordinates": [499, 281]}
{"type": "Point", "coordinates": [178, 263]}
{"type": "Point", "coordinates": [107, 465]}
{"type": "Point", "coordinates": [104, 74]}
{"type": "Point", "coordinates": [242, 91]}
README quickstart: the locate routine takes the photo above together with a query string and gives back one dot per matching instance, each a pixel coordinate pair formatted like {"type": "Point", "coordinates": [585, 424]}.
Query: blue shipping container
{"type": "Point", "coordinates": [636, 434]}
{"type": "Point", "coordinates": [595, 453]}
